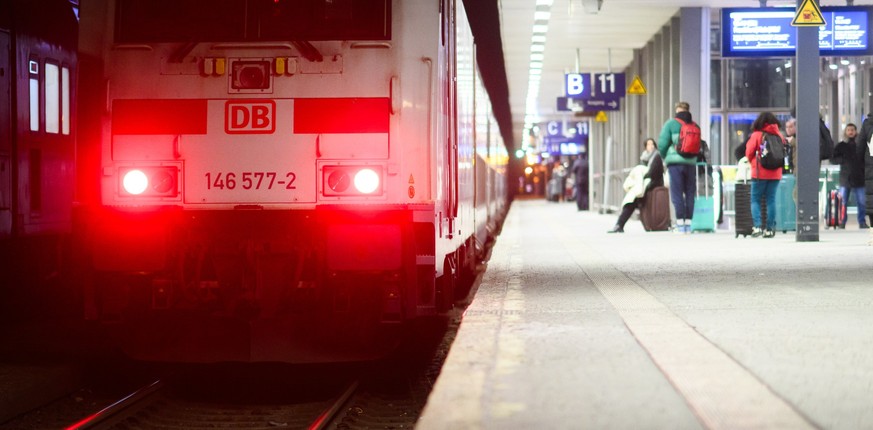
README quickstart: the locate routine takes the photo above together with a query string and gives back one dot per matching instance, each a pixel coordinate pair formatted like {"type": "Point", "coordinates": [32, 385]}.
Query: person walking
{"type": "Point", "coordinates": [864, 152]}
{"type": "Point", "coordinates": [682, 169]}
{"type": "Point", "coordinates": [764, 181]}
{"type": "Point", "coordinates": [791, 140]}
{"type": "Point", "coordinates": [641, 179]}
{"type": "Point", "coordinates": [580, 172]}
{"type": "Point", "coordinates": [851, 174]}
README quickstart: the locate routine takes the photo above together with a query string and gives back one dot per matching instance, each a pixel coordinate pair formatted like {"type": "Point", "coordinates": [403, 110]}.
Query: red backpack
{"type": "Point", "coordinates": [689, 139]}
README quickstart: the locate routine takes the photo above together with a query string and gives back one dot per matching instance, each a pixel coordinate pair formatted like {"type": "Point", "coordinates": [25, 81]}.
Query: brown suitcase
{"type": "Point", "coordinates": [655, 212]}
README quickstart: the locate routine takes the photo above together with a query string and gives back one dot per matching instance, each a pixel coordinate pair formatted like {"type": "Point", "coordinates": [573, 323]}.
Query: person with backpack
{"type": "Point", "coordinates": [679, 146]}
{"type": "Point", "coordinates": [766, 153]}
{"type": "Point", "coordinates": [851, 174]}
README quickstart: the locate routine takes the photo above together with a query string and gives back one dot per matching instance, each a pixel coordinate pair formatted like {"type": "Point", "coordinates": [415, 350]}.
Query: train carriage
{"type": "Point", "coordinates": [38, 70]}
{"type": "Point", "coordinates": [285, 180]}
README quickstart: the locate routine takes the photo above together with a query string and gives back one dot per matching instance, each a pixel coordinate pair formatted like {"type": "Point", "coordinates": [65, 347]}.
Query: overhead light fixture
{"type": "Point", "coordinates": [592, 6]}
{"type": "Point", "coordinates": [542, 14]}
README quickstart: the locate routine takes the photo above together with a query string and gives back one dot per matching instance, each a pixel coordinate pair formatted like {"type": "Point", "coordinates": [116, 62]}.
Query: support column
{"type": "Point", "coordinates": [694, 60]}
{"type": "Point", "coordinates": [807, 133]}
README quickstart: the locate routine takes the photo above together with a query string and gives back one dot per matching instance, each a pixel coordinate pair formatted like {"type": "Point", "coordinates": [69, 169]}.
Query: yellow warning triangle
{"type": "Point", "coordinates": [808, 14]}
{"type": "Point", "coordinates": [636, 86]}
{"type": "Point", "coordinates": [601, 117]}
{"type": "Point", "coordinates": [411, 179]}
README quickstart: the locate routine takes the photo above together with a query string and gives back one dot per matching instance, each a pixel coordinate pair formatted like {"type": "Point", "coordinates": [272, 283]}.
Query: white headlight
{"type": "Point", "coordinates": [135, 182]}
{"type": "Point", "coordinates": [366, 181]}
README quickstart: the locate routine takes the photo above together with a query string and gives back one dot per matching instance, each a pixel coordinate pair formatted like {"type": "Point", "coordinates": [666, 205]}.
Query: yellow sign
{"type": "Point", "coordinates": [637, 87]}
{"type": "Point", "coordinates": [808, 14]}
{"type": "Point", "coordinates": [601, 117]}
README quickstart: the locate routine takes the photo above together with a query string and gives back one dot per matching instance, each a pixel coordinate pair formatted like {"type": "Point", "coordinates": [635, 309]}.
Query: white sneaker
{"type": "Point", "coordinates": [757, 232]}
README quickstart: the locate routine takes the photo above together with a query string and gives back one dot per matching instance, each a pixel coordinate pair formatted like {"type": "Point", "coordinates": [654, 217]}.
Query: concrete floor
{"type": "Point", "coordinates": [575, 328]}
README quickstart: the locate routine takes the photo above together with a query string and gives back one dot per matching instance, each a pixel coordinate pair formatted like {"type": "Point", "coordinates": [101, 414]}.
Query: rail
{"type": "Point", "coordinates": [603, 203]}
{"type": "Point", "coordinates": [615, 182]}
{"type": "Point", "coordinates": [116, 408]}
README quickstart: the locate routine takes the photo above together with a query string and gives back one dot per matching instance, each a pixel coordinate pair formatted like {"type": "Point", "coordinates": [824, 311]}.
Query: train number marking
{"type": "Point", "coordinates": [248, 180]}
{"type": "Point", "coordinates": [250, 117]}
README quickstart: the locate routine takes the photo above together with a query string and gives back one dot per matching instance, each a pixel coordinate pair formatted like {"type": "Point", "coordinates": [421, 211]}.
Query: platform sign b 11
{"type": "Point", "coordinates": [608, 86]}
{"type": "Point", "coordinates": [577, 85]}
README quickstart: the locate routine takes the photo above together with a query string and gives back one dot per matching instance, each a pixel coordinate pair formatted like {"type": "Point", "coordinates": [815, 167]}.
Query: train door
{"type": "Point", "coordinates": [452, 114]}
{"type": "Point", "coordinates": [6, 73]}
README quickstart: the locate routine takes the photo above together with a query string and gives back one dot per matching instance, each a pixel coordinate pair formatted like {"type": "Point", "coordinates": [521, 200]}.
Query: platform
{"type": "Point", "coordinates": [575, 328]}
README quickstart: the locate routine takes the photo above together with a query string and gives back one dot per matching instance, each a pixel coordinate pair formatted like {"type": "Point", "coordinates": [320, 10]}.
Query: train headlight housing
{"type": "Point", "coordinates": [157, 181]}
{"type": "Point", "coordinates": [352, 180]}
{"type": "Point", "coordinates": [250, 75]}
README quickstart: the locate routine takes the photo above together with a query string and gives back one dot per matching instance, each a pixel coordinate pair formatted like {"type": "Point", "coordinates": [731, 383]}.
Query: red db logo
{"type": "Point", "coordinates": [250, 117]}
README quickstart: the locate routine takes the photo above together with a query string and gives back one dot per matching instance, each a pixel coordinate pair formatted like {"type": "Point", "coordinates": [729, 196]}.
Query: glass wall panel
{"type": "Point", "coordinates": [715, 84]}
{"type": "Point", "coordinates": [759, 83]}
{"type": "Point", "coordinates": [715, 140]}
{"type": "Point", "coordinates": [739, 129]}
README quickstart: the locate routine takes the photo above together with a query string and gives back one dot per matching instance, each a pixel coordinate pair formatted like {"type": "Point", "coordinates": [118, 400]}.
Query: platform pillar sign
{"type": "Point", "coordinates": [636, 87]}
{"type": "Point", "coordinates": [601, 117]}
{"type": "Point", "coordinates": [808, 14]}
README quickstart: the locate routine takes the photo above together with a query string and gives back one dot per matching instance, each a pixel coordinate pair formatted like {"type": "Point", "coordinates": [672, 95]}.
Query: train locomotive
{"type": "Point", "coordinates": [288, 181]}
{"type": "Point", "coordinates": [38, 71]}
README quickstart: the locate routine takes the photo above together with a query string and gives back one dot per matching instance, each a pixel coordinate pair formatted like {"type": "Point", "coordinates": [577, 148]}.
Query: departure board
{"type": "Point", "coordinates": [767, 32]}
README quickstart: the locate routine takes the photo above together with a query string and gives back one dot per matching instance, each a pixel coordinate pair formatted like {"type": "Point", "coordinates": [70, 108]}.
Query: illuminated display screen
{"type": "Point", "coordinates": [756, 32]}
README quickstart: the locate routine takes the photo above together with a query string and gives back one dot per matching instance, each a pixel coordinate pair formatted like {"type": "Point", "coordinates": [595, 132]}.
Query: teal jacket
{"type": "Point", "coordinates": [667, 143]}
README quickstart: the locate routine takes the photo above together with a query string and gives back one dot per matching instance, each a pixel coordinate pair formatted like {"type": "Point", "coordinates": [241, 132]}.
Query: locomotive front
{"type": "Point", "coordinates": [265, 178]}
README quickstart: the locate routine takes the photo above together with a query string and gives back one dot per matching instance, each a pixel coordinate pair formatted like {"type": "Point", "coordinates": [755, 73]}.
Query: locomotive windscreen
{"type": "Point", "coordinates": [156, 21]}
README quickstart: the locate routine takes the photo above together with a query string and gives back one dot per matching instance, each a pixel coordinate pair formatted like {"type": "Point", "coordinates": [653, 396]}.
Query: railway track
{"type": "Point", "coordinates": [389, 393]}
{"type": "Point", "coordinates": [155, 406]}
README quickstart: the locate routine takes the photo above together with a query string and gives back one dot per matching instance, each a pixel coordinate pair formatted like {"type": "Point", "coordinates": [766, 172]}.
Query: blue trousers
{"type": "Point", "coordinates": [765, 188]}
{"type": "Point", "coordinates": [683, 184]}
{"type": "Point", "coordinates": [860, 198]}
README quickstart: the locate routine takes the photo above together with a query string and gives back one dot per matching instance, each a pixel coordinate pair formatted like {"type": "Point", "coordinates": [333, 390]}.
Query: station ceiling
{"type": "Point", "coordinates": [605, 40]}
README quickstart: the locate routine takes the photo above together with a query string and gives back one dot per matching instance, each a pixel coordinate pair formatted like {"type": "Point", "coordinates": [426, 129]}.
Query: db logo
{"type": "Point", "coordinates": [250, 117]}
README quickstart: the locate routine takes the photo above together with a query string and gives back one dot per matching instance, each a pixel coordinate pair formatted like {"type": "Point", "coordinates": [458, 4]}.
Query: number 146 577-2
{"type": "Point", "coordinates": [249, 180]}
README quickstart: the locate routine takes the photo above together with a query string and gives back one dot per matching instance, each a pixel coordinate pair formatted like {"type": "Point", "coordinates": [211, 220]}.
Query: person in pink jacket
{"type": "Point", "coordinates": [764, 181]}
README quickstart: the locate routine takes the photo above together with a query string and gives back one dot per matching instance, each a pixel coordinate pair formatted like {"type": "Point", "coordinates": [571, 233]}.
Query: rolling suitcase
{"type": "Point", "coordinates": [743, 222]}
{"type": "Point", "coordinates": [786, 209]}
{"type": "Point", "coordinates": [703, 218]}
{"type": "Point", "coordinates": [553, 190]}
{"type": "Point", "coordinates": [655, 211]}
{"type": "Point", "coordinates": [835, 209]}
{"type": "Point", "coordinates": [743, 209]}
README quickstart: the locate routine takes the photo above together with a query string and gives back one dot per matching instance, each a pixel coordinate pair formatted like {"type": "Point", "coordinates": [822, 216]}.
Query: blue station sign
{"type": "Point", "coordinates": [754, 32]}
